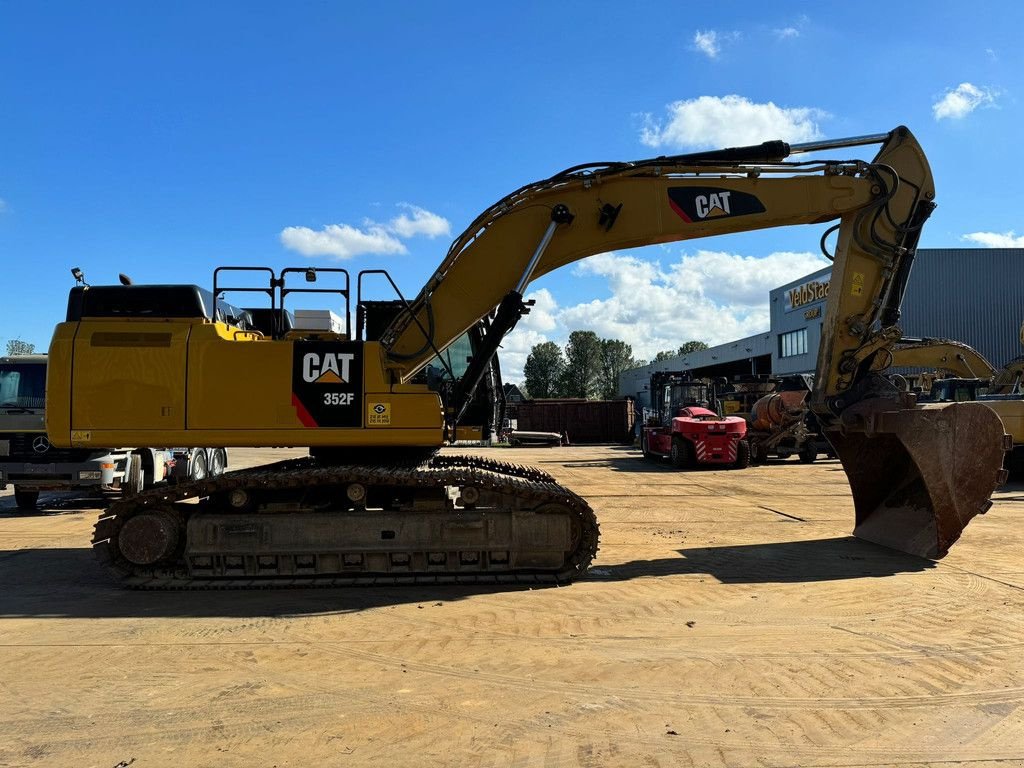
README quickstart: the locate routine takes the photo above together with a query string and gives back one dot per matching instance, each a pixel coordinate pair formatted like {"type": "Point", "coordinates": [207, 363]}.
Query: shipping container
{"type": "Point", "coordinates": [581, 421]}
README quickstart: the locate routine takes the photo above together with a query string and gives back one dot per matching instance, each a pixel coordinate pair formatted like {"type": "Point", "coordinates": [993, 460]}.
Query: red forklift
{"type": "Point", "coordinates": [687, 428]}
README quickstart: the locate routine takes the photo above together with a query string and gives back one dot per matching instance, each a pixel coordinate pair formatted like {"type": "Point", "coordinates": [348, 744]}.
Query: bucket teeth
{"type": "Point", "coordinates": [920, 475]}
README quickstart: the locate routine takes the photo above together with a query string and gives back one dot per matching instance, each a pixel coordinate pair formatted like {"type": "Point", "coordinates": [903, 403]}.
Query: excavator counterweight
{"type": "Point", "coordinates": [136, 365]}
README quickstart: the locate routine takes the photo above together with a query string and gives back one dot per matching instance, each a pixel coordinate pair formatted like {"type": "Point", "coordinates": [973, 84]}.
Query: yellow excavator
{"type": "Point", "coordinates": [374, 502]}
{"type": "Point", "coordinates": [972, 372]}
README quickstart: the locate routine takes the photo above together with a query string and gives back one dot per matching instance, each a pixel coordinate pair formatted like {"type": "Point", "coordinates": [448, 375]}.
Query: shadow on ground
{"type": "Point", "coordinates": [843, 557]}
{"type": "Point", "coordinates": [53, 504]}
{"type": "Point", "coordinates": [69, 583]}
{"type": "Point", "coordinates": [629, 459]}
{"type": "Point", "coordinates": [1013, 488]}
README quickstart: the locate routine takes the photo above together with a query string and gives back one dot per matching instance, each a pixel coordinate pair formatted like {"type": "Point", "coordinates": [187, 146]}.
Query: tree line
{"type": "Point", "coordinates": [19, 347]}
{"type": "Point", "coordinates": [588, 368]}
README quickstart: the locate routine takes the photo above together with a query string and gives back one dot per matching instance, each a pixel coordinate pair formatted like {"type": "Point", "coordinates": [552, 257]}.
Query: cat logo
{"type": "Point", "coordinates": [715, 204]}
{"type": "Point", "coordinates": [695, 204]}
{"type": "Point", "coordinates": [326, 368]}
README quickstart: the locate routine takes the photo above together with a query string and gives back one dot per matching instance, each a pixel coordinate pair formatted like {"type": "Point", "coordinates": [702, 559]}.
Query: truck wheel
{"type": "Point", "coordinates": [757, 452]}
{"type": "Point", "coordinates": [681, 453]}
{"type": "Point", "coordinates": [742, 455]}
{"type": "Point", "coordinates": [134, 480]}
{"type": "Point", "coordinates": [25, 499]}
{"type": "Point", "coordinates": [218, 462]}
{"type": "Point", "coordinates": [197, 468]}
{"type": "Point", "coordinates": [807, 454]}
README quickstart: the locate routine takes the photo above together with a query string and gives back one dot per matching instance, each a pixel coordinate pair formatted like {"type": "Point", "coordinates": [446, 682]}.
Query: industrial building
{"type": "Point", "coordinates": [968, 294]}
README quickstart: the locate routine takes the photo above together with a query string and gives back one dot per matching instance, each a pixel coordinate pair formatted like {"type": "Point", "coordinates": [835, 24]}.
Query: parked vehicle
{"type": "Point", "coordinates": [780, 423]}
{"type": "Point", "coordinates": [686, 430]}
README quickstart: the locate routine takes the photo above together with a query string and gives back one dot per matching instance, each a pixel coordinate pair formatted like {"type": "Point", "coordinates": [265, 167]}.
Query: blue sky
{"type": "Point", "coordinates": [164, 140]}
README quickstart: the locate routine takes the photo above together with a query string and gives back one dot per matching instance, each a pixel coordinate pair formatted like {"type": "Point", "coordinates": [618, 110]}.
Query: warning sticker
{"type": "Point", "coordinates": [81, 437]}
{"type": "Point", "coordinates": [378, 414]}
{"type": "Point", "coordinates": [857, 288]}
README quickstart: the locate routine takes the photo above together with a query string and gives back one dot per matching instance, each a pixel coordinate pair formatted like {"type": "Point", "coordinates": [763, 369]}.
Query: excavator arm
{"type": "Point", "coordinates": [940, 355]}
{"type": "Point", "coordinates": [958, 359]}
{"type": "Point", "coordinates": [918, 474]}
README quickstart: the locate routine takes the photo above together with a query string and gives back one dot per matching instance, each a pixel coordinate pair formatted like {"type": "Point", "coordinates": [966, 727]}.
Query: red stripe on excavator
{"type": "Point", "coordinates": [680, 211]}
{"type": "Point", "coordinates": [302, 413]}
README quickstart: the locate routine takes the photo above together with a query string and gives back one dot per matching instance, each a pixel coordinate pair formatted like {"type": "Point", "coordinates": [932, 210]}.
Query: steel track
{"type": "Point", "coordinates": [520, 485]}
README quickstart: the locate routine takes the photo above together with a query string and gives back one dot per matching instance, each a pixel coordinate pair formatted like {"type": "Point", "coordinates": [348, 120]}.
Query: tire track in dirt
{"type": "Point", "coordinates": [968, 698]}
{"type": "Point", "coordinates": [180, 728]}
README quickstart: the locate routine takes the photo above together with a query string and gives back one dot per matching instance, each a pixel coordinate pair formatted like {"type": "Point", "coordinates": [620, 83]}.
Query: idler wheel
{"type": "Point", "coordinates": [148, 537]}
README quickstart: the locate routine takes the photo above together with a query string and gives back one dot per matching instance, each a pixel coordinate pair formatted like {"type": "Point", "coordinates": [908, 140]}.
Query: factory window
{"type": "Point", "coordinates": [793, 343]}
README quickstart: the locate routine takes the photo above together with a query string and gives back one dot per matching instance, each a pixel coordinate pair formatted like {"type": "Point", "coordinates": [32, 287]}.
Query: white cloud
{"type": "Point", "coordinates": [732, 279]}
{"type": "Point", "coordinates": [961, 101]}
{"type": "Point", "coordinates": [712, 296]}
{"type": "Point", "coordinates": [341, 241]}
{"type": "Point", "coordinates": [710, 42]}
{"type": "Point", "coordinates": [344, 241]}
{"type": "Point", "coordinates": [721, 121]}
{"type": "Point", "coordinates": [793, 30]}
{"type": "Point", "coordinates": [995, 239]}
{"type": "Point", "coordinates": [419, 221]}
{"type": "Point", "coordinates": [542, 313]}
{"type": "Point", "coordinates": [3, 205]}
{"type": "Point", "coordinates": [707, 43]}
{"type": "Point", "coordinates": [529, 331]}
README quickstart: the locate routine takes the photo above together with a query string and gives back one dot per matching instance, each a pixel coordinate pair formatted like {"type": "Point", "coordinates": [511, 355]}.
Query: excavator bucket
{"type": "Point", "coordinates": [919, 475]}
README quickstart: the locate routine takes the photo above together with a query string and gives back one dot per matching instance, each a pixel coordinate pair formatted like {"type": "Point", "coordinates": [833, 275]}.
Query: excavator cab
{"type": "Point", "coordinates": [956, 390]}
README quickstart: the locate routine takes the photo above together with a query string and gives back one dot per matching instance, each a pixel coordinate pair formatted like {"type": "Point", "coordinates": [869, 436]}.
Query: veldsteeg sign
{"type": "Point", "coordinates": [808, 293]}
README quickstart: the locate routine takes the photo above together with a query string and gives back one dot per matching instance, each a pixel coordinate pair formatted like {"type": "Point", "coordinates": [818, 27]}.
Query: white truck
{"type": "Point", "coordinates": [31, 464]}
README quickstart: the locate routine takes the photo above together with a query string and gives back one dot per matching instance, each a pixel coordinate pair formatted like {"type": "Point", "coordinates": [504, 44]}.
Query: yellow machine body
{"type": "Point", "coordinates": [192, 381]}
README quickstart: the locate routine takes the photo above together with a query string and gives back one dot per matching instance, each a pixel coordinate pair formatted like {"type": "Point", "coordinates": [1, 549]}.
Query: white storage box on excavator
{"type": "Point", "coordinates": [318, 320]}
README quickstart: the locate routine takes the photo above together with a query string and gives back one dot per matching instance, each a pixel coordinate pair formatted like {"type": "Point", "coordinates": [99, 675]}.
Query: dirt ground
{"type": "Point", "coordinates": [730, 620]}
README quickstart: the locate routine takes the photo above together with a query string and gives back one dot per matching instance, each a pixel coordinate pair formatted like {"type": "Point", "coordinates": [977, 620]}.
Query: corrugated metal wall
{"type": "Point", "coordinates": [973, 295]}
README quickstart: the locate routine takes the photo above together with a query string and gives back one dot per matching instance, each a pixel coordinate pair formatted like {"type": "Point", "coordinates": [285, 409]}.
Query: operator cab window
{"type": "Point", "coordinates": [457, 356]}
